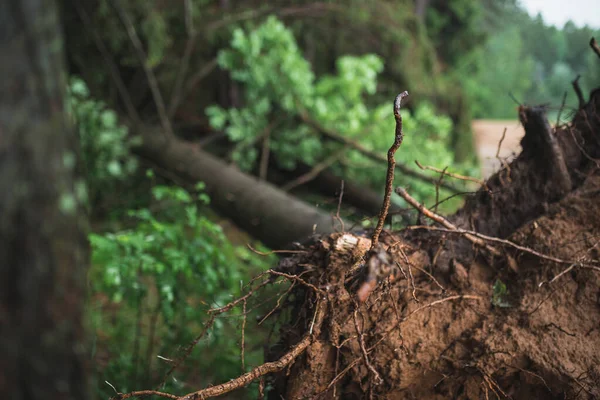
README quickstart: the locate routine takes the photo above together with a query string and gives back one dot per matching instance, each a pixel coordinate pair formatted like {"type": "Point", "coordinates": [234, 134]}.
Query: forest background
{"type": "Point", "coordinates": [260, 85]}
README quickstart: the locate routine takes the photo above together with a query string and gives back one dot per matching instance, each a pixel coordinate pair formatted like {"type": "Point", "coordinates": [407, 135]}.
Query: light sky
{"type": "Point", "coordinates": [557, 12]}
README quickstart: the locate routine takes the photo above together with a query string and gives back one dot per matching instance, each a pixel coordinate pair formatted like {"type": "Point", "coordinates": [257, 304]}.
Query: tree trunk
{"type": "Point", "coordinates": [42, 243]}
{"type": "Point", "coordinates": [264, 211]}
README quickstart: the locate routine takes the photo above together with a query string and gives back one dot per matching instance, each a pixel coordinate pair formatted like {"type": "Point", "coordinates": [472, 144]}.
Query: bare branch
{"type": "Point", "coordinates": [524, 249]}
{"type": "Point", "coordinates": [264, 369]}
{"type": "Point", "coordinates": [185, 61]}
{"type": "Point", "coordinates": [443, 221]}
{"type": "Point", "coordinates": [451, 174]}
{"type": "Point", "coordinates": [594, 46]}
{"type": "Point", "coordinates": [578, 91]}
{"type": "Point", "coordinates": [389, 180]}
{"type": "Point", "coordinates": [152, 82]}
{"type": "Point", "coordinates": [337, 137]}
{"type": "Point", "coordinates": [143, 393]}
{"type": "Point", "coordinates": [316, 170]}
{"type": "Point", "coordinates": [112, 68]}
{"type": "Point", "coordinates": [361, 342]}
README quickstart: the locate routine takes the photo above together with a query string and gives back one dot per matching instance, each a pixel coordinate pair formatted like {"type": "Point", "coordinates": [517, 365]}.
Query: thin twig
{"type": "Point", "coordinates": [389, 181]}
{"type": "Point", "coordinates": [265, 153]}
{"type": "Point", "coordinates": [261, 388]}
{"type": "Point", "coordinates": [112, 68]}
{"type": "Point", "coordinates": [188, 350]}
{"type": "Point", "coordinates": [502, 161]}
{"type": "Point", "coordinates": [263, 369]}
{"type": "Point", "coordinates": [339, 206]}
{"type": "Point", "coordinates": [144, 393]}
{"type": "Point", "coordinates": [152, 82]}
{"type": "Point", "coordinates": [594, 46]}
{"type": "Point", "coordinates": [443, 221]}
{"type": "Point", "coordinates": [585, 153]}
{"type": "Point", "coordinates": [234, 303]}
{"type": "Point", "coordinates": [373, 155]}
{"type": "Point", "coordinates": [524, 249]}
{"type": "Point", "coordinates": [558, 276]}
{"type": "Point", "coordinates": [450, 174]}
{"type": "Point", "coordinates": [562, 106]}
{"type": "Point", "coordinates": [316, 170]}
{"type": "Point", "coordinates": [437, 189]}
{"type": "Point", "coordinates": [578, 91]}
{"type": "Point", "coordinates": [298, 279]}
{"type": "Point", "coordinates": [361, 342]}
{"type": "Point", "coordinates": [450, 298]}
{"type": "Point", "coordinates": [545, 299]}
{"type": "Point", "coordinates": [212, 315]}
{"type": "Point", "coordinates": [531, 373]}
{"type": "Point", "coordinates": [431, 277]}
{"type": "Point", "coordinates": [192, 82]}
{"type": "Point", "coordinates": [277, 304]}
{"type": "Point", "coordinates": [185, 60]}
{"type": "Point", "coordinates": [262, 253]}
{"type": "Point", "coordinates": [500, 142]}
{"type": "Point", "coordinates": [243, 335]}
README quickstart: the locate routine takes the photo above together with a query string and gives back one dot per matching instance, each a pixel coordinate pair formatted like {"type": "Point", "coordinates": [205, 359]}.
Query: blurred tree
{"type": "Point", "coordinates": [42, 242]}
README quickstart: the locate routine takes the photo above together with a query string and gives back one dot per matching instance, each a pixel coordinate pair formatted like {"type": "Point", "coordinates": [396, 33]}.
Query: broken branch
{"type": "Point", "coordinates": [389, 181]}
{"type": "Point", "coordinates": [152, 82]}
{"type": "Point", "coordinates": [578, 91]}
{"type": "Point", "coordinates": [265, 368]}
{"type": "Point", "coordinates": [450, 174]}
{"type": "Point", "coordinates": [337, 137]}
{"type": "Point", "coordinates": [443, 221]}
{"type": "Point", "coordinates": [594, 46]}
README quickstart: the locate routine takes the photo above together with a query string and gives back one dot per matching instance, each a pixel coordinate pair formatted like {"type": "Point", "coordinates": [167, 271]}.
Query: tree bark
{"type": "Point", "coordinates": [42, 243]}
{"type": "Point", "coordinates": [264, 211]}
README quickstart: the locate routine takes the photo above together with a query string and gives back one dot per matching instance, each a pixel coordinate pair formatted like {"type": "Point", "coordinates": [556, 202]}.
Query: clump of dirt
{"type": "Point", "coordinates": [448, 319]}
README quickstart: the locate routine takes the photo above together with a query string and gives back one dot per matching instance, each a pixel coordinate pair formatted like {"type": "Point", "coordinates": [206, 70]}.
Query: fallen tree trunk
{"type": "Point", "coordinates": [264, 211]}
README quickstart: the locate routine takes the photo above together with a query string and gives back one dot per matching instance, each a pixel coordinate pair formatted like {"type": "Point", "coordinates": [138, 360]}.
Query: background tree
{"type": "Point", "coordinates": [42, 232]}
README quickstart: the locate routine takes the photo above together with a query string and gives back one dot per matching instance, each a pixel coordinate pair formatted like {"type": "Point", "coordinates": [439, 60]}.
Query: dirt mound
{"type": "Point", "coordinates": [506, 304]}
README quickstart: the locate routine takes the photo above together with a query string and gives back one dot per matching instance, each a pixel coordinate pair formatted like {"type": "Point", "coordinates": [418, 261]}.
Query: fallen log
{"type": "Point", "coordinates": [267, 213]}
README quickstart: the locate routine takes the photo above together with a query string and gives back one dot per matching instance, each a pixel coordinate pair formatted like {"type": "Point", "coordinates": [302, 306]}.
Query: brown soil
{"type": "Point", "coordinates": [438, 324]}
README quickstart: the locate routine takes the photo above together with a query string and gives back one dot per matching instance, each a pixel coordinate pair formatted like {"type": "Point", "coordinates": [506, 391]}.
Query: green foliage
{"type": "Point", "coordinates": [151, 23]}
{"type": "Point", "coordinates": [152, 285]}
{"type": "Point", "coordinates": [532, 61]}
{"type": "Point", "coordinates": [500, 294]}
{"type": "Point", "coordinates": [491, 73]}
{"type": "Point", "coordinates": [280, 86]}
{"type": "Point", "coordinates": [105, 144]}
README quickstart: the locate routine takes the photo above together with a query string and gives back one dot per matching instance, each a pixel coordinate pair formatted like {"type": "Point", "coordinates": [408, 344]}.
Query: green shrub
{"type": "Point", "coordinates": [104, 142]}
{"type": "Point", "coordinates": [279, 87]}
{"type": "Point", "coordinates": [151, 287]}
